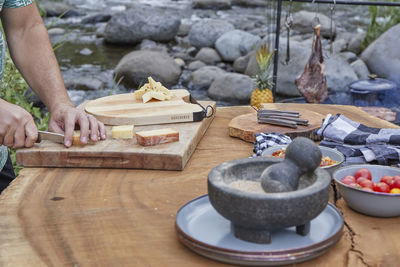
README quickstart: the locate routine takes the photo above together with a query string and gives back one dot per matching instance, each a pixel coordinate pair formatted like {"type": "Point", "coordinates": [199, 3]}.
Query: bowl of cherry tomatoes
{"type": "Point", "coordinates": [370, 189]}
{"type": "Point", "coordinates": [331, 158]}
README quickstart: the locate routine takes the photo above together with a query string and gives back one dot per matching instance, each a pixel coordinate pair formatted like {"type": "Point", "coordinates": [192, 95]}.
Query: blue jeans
{"type": "Point", "coordinates": [7, 174]}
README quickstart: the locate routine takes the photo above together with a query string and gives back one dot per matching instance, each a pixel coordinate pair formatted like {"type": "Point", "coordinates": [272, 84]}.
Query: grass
{"type": "Point", "coordinates": [13, 89]}
{"type": "Point", "coordinates": [382, 19]}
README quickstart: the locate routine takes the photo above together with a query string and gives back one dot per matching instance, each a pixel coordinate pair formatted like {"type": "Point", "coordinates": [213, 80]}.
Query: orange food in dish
{"type": "Point", "coordinates": [325, 161]}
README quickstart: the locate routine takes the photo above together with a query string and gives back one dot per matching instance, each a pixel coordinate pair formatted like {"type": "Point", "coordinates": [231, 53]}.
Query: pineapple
{"type": "Point", "coordinates": [262, 93]}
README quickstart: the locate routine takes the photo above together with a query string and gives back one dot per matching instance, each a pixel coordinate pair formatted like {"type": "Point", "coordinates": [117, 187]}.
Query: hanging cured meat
{"type": "Point", "coordinates": [312, 83]}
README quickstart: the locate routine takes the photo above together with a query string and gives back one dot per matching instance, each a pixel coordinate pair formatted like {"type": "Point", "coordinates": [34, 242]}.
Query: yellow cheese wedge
{"type": "Point", "coordinates": [155, 137]}
{"type": "Point", "coordinates": [122, 132]}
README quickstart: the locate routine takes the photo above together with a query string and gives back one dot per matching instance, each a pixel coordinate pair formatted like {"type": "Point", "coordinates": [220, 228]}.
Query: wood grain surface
{"type": "Point", "coordinates": [246, 125]}
{"type": "Point", "coordinates": [122, 217]}
{"type": "Point", "coordinates": [123, 109]}
{"type": "Point", "coordinates": [121, 153]}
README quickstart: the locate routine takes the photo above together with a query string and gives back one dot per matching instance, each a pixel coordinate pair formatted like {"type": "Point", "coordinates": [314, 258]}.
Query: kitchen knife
{"type": "Point", "coordinates": [55, 137]}
{"type": "Point", "coordinates": [58, 138]}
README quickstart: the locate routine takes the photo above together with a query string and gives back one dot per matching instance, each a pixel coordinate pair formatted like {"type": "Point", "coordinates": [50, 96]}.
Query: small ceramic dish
{"type": "Point", "coordinates": [370, 203]}
{"type": "Point", "coordinates": [326, 152]}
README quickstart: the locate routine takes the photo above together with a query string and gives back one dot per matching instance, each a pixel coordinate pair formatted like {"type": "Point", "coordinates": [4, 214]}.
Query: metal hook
{"type": "Point", "coordinates": [332, 8]}
{"type": "Point", "coordinates": [315, 20]}
{"type": "Point", "coordinates": [288, 25]}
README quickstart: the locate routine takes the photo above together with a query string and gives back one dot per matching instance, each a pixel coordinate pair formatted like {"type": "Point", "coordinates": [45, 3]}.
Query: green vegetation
{"type": "Point", "coordinates": [13, 89]}
{"type": "Point", "coordinates": [382, 18]}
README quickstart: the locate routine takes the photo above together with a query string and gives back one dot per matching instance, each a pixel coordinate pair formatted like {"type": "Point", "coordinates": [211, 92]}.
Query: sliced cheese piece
{"type": "Point", "coordinates": [151, 90]}
{"type": "Point", "coordinates": [122, 132]}
{"type": "Point", "coordinates": [138, 94]}
{"type": "Point", "coordinates": [76, 138]}
{"type": "Point", "coordinates": [155, 137]}
{"type": "Point", "coordinates": [153, 94]}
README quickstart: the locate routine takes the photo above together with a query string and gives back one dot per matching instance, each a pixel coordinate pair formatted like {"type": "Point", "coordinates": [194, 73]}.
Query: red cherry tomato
{"type": "Point", "coordinates": [396, 184]}
{"type": "Point", "coordinates": [363, 172]}
{"type": "Point", "coordinates": [349, 179]}
{"type": "Point", "coordinates": [366, 183]}
{"type": "Point", "coordinates": [382, 187]}
{"type": "Point", "coordinates": [396, 177]}
{"type": "Point", "coordinates": [360, 179]}
{"type": "Point", "coordinates": [387, 180]}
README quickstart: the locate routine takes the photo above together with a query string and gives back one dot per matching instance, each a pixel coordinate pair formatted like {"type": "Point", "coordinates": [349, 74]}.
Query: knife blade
{"type": "Point", "coordinates": [55, 137]}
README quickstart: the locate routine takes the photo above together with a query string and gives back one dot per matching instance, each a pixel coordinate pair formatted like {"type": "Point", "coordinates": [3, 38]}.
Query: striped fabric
{"type": "Point", "coordinates": [360, 143]}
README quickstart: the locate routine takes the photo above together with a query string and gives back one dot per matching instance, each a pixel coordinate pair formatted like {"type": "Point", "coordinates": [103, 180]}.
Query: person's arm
{"type": "Point", "coordinates": [33, 55]}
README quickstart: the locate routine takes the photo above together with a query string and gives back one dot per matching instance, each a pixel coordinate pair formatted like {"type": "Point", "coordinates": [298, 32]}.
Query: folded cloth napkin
{"type": "Point", "coordinates": [265, 140]}
{"type": "Point", "coordinates": [360, 143]}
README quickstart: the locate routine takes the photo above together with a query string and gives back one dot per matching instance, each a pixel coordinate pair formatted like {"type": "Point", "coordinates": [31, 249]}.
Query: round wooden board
{"type": "Point", "coordinates": [245, 126]}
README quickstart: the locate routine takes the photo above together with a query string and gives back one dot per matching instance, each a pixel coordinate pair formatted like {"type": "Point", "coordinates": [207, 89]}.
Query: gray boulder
{"type": "Point", "coordinates": [84, 83]}
{"type": "Point", "coordinates": [339, 73]}
{"type": "Point", "coordinates": [240, 64]}
{"type": "Point", "coordinates": [133, 26]}
{"type": "Point", "coordinates": [303, 22]}
{"type": "Point", "coordinates": [236, 43]}
{"type": "Point", "coordinates": [152, 45]}
{"type": "Point", "coordinates": [250, 3]}
{"type": "Point", "coordinates": [360, 68]}
{"type": "Point", "coordinates": [203, 77]}
{"type": "Point", "coordinates": [338, 46]}
{"type": "Point", "coordinates": [287, 73]}
{"type": "Point", "coordinates": [184, 28]}
{"type": "Point", "coordinates": [232, 87]}
{"type": "Point", "coordinates": [211, 4]}
{"type": "Point", "coordinates": [137, 66]}
{"type": "Point", "coordinates": [383, 55]}
{"type": "Point", "coordinates": [204, 33]}
{"type": "Point", "coordinates": [355, 44]}
{"type": "Point", "coordinates": [195, 65]}
{"type": "Point", "coordinates": [349, 56]}
{"type": "Point", "coordinates": [252, 68]}
{"type": "Point", "coordinates": [208, 55]}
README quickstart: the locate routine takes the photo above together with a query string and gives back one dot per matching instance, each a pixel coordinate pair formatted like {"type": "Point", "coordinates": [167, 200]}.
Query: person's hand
{"type": "Point", "coordinates": [17, 128]}
{"type": "Point", "coordinates": [64, 118]}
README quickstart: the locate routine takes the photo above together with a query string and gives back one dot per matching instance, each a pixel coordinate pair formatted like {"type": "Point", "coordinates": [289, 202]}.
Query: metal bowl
{"type": "Point", "coordinates": [326, 152]}
{"type": "Point", "coordinates": [370, 203]}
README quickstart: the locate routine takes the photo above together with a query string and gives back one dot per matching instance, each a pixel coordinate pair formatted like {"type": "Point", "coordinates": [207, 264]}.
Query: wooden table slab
{"type": "Point", "coordinates": [122, 217]}
{"type": "Point", "coordinates": [246, 125]}
{"type": "Point", "coordinates": [119, 153]}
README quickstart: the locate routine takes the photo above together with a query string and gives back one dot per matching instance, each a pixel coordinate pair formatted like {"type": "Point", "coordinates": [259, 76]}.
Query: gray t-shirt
{"type": "Point", "coordinates": [7, 4]}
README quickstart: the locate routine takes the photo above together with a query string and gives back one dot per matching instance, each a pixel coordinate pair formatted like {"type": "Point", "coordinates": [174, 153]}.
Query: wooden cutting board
{"type": "Point", "coordinates": [246, 125]}
{"type": "Point", "coordinates": [125, 109]}
{"type": "Point", "coordinates": [119, 153]}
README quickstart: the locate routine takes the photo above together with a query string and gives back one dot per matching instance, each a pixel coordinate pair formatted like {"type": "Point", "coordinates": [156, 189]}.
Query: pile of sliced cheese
{"type": "Point", "coordinates": [151, 90]}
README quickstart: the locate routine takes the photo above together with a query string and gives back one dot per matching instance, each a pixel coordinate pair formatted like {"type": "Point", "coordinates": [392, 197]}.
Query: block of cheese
{"type": "Point", "coordinates": [159, 136]}
{"type": "Point", "coordinates": [76, 139]}
{"type": "Point", "coordinates": [122, 131]}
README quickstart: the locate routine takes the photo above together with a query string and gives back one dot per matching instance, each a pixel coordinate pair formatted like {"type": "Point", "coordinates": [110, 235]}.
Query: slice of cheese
{"type": "Point", "coordinates": [122, 131]}
{"type": "Point", "coordinates": [155, 137]}
{"type": "Point", "coordinates": [76, 138]}
{"type": "Point", "coordinates": [151, 90]}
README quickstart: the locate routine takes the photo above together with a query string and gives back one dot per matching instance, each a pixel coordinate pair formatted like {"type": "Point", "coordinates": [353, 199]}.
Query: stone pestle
{"type": "Point", "coordinates": [302, 156]}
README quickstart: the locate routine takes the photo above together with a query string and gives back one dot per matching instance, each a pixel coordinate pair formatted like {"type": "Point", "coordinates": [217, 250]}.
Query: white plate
{"type": "Point", "coordinates": [201, 228]}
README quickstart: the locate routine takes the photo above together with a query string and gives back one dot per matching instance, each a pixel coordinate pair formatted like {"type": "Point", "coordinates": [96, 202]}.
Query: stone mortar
{"type": "Point", "coordinates": [254, 215]}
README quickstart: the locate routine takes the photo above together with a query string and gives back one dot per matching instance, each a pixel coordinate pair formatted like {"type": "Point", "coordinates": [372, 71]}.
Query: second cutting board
{"type": "Point", "coordinates": [125, 109]}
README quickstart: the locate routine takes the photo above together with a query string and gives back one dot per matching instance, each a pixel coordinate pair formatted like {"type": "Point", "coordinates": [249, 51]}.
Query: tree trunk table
{"type": "Point", "coordinates": [122, 217]}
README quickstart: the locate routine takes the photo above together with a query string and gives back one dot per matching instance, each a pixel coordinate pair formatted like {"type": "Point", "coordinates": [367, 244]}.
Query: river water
{"type": "Point", "coordinates": [104, 57]}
